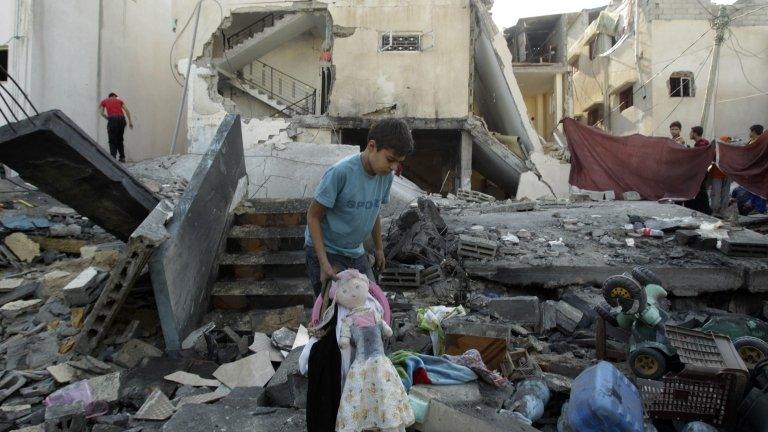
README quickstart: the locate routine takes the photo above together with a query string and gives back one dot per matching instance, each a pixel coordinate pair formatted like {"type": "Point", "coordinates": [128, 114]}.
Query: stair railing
{"type": "Point", "coordinates": [246, 32]}
{"type": "Point", "coordinates": [299, 97]}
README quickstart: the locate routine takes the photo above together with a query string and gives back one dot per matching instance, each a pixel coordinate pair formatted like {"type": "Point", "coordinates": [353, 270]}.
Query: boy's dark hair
{"type": "Point", "coordinates": [698, 130]}
{"type": "Point", "coordinates": [392, 133]}
{"type": "Point", "coordinates": [112, 94]}
{"type": "Point", "coordinates": [676, 124]}
{"type": "Point", "coordinates": [758, 129]}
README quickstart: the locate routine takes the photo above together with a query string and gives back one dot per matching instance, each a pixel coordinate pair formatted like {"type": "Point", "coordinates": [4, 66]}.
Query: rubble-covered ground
{"type": "Point", "coordinates": [450, 257]}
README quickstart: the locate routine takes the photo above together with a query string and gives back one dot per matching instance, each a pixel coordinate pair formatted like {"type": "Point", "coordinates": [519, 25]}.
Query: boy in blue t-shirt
{"type": "Point", "coordinates": [346, 205]}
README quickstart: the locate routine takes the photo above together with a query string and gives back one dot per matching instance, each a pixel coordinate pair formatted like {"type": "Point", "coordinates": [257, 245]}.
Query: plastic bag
{"type": "Point", "coordinates": [78, 392]}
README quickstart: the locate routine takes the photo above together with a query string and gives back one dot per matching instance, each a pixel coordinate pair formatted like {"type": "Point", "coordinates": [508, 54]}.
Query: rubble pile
{"type": "Point", "coordinates": [501, 356]}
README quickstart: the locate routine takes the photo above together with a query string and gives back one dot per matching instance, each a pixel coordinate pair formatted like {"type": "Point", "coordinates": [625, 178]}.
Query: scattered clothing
{"type": "Point", "coordinates": [748, 202]}
{"type": "Point", "coordinates": [430, 319]}
{"type": "Point", "coordinates": [747, 165]}
{"type": "Point", "coordinates": [324, 381]}
{"type": "Point", "coordinates": [474, 361]}
{"type": "Point", "coordinates": [415, 368]}
{"type": "Point", "coordinates": [718, 194]}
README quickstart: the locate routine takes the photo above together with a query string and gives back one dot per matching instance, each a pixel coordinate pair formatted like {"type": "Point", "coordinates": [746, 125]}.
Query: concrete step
{"type": "Point", "coordinates": [264, 294]}
{"type": "Point", "coordinates": [274, 213]}
{"type": "Point", "coordinates": [254, 238]}
{"type": "Point", "coordinates": [262, 265]}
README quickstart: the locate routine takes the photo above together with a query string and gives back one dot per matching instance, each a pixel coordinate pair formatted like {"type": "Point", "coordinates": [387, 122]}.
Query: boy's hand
{"type": "Point", "coordinates": [327, 273]}
{"type": "Point", "coordinates": [381, 260]}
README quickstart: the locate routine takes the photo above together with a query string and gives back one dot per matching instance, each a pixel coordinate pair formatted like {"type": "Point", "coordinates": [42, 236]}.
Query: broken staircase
{"type": "Point", "coordinates": [264, 264]}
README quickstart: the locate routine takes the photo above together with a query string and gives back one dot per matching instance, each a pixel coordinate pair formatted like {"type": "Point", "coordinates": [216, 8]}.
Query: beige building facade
{"type": "Point", "coordinates": [322, 72]}
{"type": "Point", "coordinates": [637, 66]}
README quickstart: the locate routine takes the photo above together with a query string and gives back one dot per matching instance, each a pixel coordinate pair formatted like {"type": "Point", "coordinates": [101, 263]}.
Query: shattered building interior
{"type": "Point", "coordinates": [173, 294]}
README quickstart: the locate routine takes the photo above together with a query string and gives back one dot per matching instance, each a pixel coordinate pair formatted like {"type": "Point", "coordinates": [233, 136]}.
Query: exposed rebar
{"type": "Point", "coordinates": [9, 107]}
{"type": "Point", "coordinates": [17, 103]}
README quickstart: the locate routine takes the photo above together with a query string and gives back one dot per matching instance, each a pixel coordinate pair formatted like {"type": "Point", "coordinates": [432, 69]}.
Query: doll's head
{"type": "Point", "coordinates": [351, 289]}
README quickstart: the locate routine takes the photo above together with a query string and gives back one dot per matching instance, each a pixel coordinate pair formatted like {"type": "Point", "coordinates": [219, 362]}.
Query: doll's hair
{"type": "Point", "coordinates": [345, 276]}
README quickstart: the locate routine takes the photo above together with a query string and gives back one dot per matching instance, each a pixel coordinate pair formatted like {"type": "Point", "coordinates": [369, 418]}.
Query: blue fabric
{"type": "Point", "coordinates": [439, 370]}
{"type": "Point", "coordinates": [353, 199]}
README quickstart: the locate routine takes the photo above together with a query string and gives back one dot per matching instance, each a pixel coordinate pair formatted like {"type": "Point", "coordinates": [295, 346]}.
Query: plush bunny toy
{"type": "Point", "coordinates": [373, 395]}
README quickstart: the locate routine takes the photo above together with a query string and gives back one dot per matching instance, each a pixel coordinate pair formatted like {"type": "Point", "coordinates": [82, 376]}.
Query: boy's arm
{"type": "Point", "coordinates": [381, 260]}
{"type": "Point", "coordinates": [102, 111]}
{"type": "Point", "coordinates": [315, 214]}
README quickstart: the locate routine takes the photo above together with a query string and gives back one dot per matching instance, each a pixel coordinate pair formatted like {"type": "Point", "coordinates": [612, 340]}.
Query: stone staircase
{"type": "Point", "coordinates": [264, 263]}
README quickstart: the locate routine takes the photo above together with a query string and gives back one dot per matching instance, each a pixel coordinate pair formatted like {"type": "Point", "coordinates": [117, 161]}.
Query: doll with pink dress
{"type": "Point", "coordinates": [373, 397]}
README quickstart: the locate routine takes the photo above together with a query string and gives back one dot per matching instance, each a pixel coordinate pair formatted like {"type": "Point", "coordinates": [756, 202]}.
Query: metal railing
{"type": "Point", "coordinates": [246, 32]}
{"type": "Point", "coordinates": [299, 97]}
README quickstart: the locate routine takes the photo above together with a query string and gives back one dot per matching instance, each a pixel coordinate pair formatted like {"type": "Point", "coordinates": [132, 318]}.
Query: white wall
{"type": "Point", "coordinates": [72, 53]}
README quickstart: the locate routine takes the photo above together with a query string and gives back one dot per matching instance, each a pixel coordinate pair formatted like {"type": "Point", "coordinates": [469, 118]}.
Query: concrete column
{"type": "Point", "coordinates": [465, 162]}
{"type": "Point", "coordinates": [540, 113]}
{"type": "Point", "coordinates": [558, 97]}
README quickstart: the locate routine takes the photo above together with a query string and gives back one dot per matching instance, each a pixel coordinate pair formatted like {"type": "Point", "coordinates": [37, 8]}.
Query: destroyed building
{"type": "Point", "coordinates": [303, 75]}
{"type": "Point", "coordinates": [629, 67]}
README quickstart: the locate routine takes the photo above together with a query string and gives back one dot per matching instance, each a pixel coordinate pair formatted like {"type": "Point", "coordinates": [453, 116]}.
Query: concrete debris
{"type": "Point", "coordinates": [10, 383]}
{"type": "Point", "coordinates": [283, 338]}
{"type": "Point", "coordinates": [523, 310]}
{"type": "Point", "coordinates": [262, 342]}
{"type": "Point", "coordinates": [196, 335]}
{"type": "Point", "coordinates": [105, 388]}
{"type": "Point", "coordinates": [631, 196]}
{"type": "Point", "coordinates": [156, 407]}
{"type": "Point", "coordinates": [220, 393]}
{"type": "Point", "coordinates": [567, 317]}
{"type": "Point", "coordinates": [21, 292]}
{"type": "Point", "coordinates": [15, 308]}
{"type": "Point", "coordinates": [84, 289]}
{"type": "Point", "coordinates": [11, 284]}
{"type": "Point", "coordinates": [252, 371]}
{"type": "Point", "coordinates": [21, 246]}
{"type": "Point", "coordinates": [66, 417]}
{"type": "Point", "coordinates": [190, 379]}
{"type": "Point", "coordinates": [62, 373]}
{"type": "Point", "coordinates": [134, 351]}
{"type": "Point", "coordinates": [61, 211]}
{"type": "Point", "coordinates": [62, 230]}
{"type": "Point", "coordinates": [287, 388]}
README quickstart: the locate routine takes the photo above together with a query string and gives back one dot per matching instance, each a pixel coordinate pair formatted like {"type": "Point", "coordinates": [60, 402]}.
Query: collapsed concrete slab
{"type": "Point", "coordinates": [593, 237]}
{"type": "Point", "coordinates": [54, 154]}
{"type": "Point", "coordinates": [182, 269]}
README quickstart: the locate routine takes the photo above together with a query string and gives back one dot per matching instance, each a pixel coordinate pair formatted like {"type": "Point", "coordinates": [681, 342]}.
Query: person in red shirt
{"type": "Point", "coordinates": [114, 110]}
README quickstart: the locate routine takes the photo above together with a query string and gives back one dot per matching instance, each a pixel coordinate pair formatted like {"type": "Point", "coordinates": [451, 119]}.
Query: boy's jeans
{"type": "Point", "coordinates": [338, 262]}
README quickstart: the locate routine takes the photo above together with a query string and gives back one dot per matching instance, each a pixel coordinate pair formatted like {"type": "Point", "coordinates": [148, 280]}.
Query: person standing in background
{"type": "Point", "coordinates": [114, 110]}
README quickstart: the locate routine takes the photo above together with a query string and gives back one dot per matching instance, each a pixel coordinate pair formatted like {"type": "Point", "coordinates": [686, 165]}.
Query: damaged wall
{"type": "Point", "coordinates": [118, 46]}
{"type": "Point", "coordinates": [181, 280]}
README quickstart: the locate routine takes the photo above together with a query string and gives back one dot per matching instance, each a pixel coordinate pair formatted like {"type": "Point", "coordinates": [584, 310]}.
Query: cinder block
{"type": "Point", "coordinates": [522, 310]}
{"type": "Point", "coordinates": [476, 247]}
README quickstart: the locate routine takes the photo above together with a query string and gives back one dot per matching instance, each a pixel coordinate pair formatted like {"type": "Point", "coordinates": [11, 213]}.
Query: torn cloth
{"type": "Point", "coordinates": [474, 361]}
{"type": "Point", "coordinates": [654, 167]}
{"type": "Point", "coordinates": [415, 368]}
{"type": "Point", "coordinates": [747, 165]}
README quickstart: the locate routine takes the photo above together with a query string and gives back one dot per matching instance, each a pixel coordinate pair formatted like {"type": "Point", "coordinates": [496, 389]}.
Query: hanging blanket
{"type": "Point", "coordinates": [654, 167]}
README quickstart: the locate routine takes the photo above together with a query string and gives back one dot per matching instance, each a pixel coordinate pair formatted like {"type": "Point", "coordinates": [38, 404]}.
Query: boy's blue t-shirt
{"type": "Point", "coordinates": [353, 199]}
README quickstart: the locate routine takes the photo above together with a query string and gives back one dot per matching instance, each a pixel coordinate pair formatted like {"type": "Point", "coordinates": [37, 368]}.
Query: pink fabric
{"type": "Point", "coordinates": [366, 319]}
{"type": "Point", "coordinates": [747, 165]}
{"type": "Point", "coordinates": [654, 167]}
{"type": "Point", "coordinates": [375, 291]}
